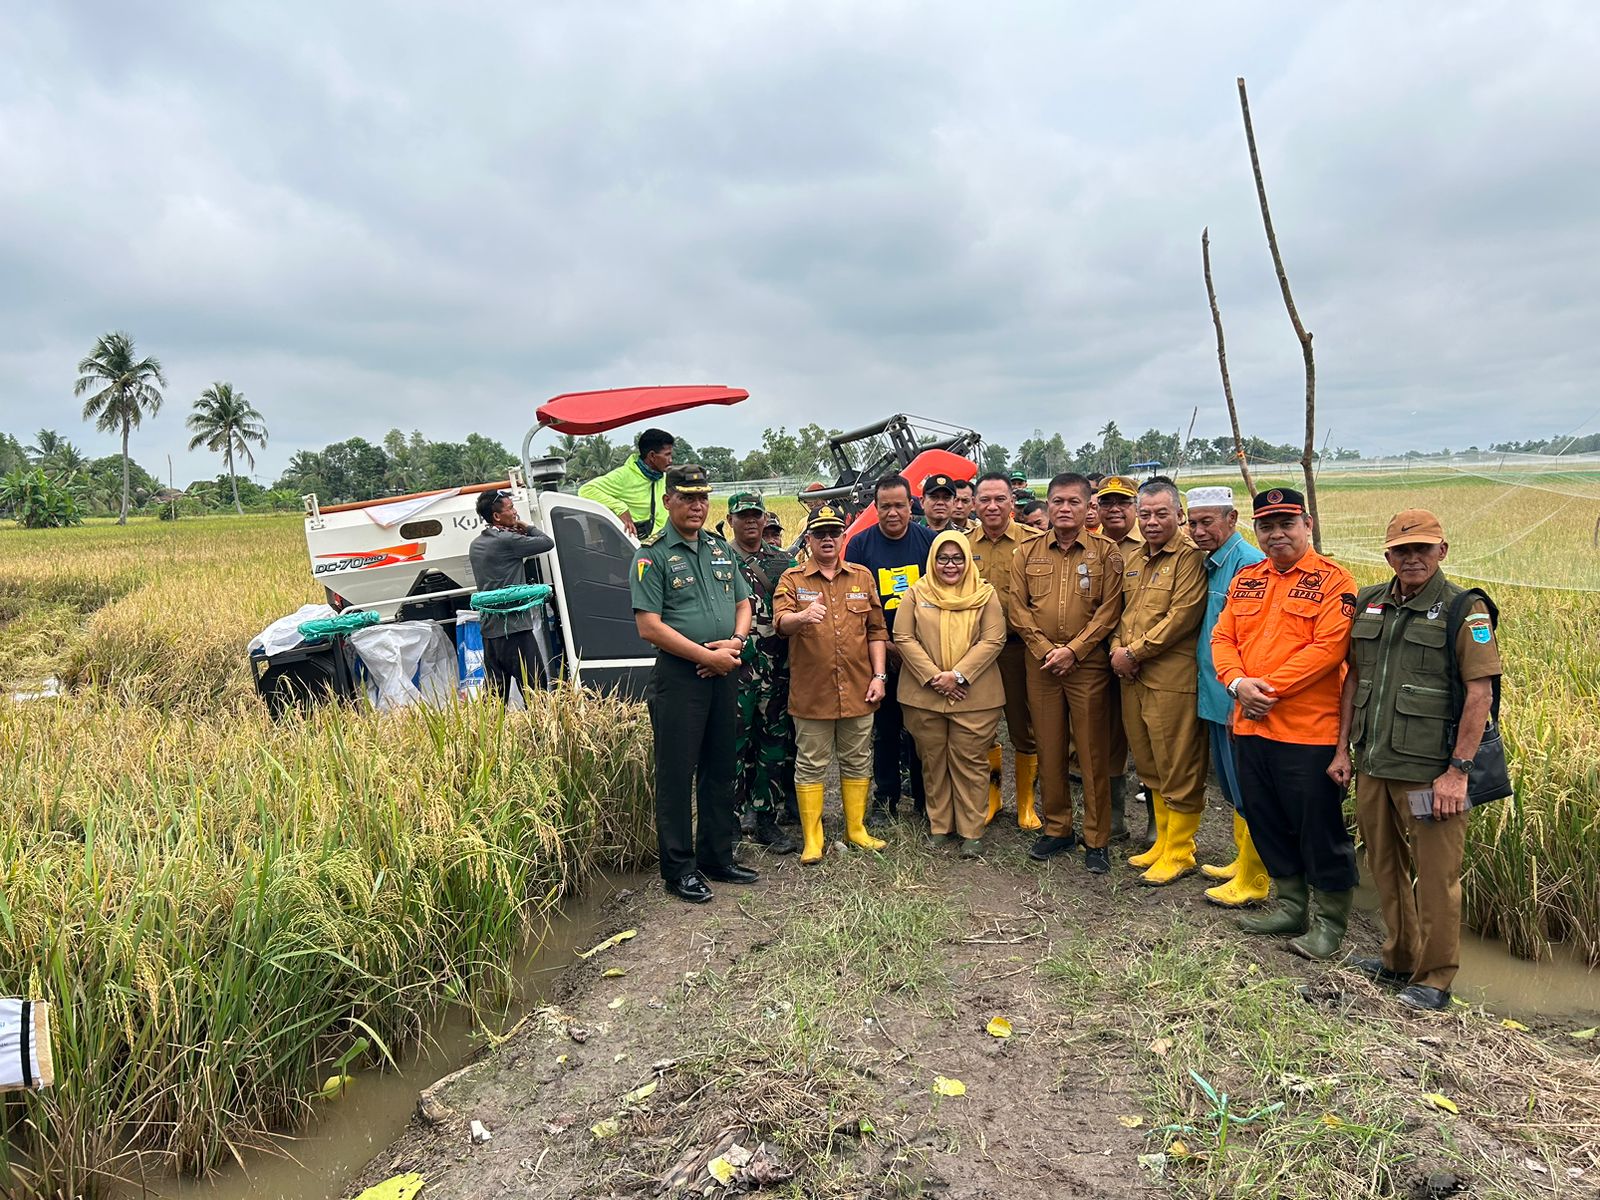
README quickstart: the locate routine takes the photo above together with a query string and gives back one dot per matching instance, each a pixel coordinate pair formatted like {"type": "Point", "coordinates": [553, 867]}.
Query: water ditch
{"type": "Point", "coordinates": [320, 1162]}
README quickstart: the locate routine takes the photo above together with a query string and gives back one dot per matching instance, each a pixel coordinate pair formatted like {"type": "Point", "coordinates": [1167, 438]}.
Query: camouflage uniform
{"type": "Point", "coordinates": [765, 748]}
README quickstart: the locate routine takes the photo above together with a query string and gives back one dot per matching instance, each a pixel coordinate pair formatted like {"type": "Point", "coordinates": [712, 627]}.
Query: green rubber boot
{"type": "Point", "coordinates": [1330, 914]}
{"type": "Point", "coordinates": [1288, 917]}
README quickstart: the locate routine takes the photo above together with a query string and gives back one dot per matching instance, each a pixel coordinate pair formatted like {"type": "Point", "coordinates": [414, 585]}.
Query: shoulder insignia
{"type": "Point", "coordinates": [654, 538]}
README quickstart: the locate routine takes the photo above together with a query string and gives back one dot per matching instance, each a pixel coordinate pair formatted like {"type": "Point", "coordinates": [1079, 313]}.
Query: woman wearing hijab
{"type": "Point", "coordinates": [949, 630]}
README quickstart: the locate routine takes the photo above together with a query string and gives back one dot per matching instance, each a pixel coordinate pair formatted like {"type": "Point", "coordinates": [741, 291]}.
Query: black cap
{"type": "Point", "coordinates": [938, 483]}
{"type": "Point", "coordinates": [1279, 500]}
{"type": "Point", "coordinates": [826, 517]}
{"type": "Point", "coordinates": [689, 480]}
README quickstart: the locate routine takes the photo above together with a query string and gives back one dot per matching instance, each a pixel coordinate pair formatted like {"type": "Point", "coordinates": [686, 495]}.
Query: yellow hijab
{"type": "Point", "coordinates": [960, 604]}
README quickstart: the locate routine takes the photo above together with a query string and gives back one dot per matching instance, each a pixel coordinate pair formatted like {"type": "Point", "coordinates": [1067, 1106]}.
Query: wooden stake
{"type": "Point", "coordinates": [1222, 361]}
{"type": "Point", "coordinates": [1294, 319]}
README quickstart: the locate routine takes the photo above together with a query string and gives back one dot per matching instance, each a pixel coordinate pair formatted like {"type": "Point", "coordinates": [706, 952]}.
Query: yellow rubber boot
{"type": "Point", "coordinates": [1241, 831]}
{"type": "Point", "coordinates": [1177, 850]}
{"type": "Point", "coordinates": [808, 799]}
{"type": "Point", "coordinates": [1027, 776]}
{"type": "Point", "coordinates": [1250, 884]}
{"type": "Point", "coordinates": [1163, 814]}
{"type": "Point", "coordinates": [994, 784]}
{"type": "Point", "coordinates": [855, 814]}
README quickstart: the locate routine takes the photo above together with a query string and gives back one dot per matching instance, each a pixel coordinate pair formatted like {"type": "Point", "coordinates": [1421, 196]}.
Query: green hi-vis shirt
{"type": "Point", "coordinates": [695, 586]}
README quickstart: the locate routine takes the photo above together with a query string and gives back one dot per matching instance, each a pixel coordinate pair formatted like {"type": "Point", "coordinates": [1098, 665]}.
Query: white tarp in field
{"type": "Point", "coordinates": [408, 662]}
{"type": "Point", "coordinates": [284, 633]}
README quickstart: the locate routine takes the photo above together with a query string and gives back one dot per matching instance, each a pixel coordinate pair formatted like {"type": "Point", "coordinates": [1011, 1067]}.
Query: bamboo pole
{"type": "Point", "coordinates": [1222, 361]}
{"type": "Point", "coordinates": [1294, 319]}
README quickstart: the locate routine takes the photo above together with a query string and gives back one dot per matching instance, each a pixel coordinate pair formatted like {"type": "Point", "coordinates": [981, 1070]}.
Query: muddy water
{"type": "Point", "coordinates": [321, 1161]}
{"type": "Point", "coordinates": [1562, 986]}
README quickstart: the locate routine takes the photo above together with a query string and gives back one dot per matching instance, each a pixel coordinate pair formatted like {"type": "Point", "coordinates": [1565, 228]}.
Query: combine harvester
{"type": "Point", "coordinates": [404, 559]}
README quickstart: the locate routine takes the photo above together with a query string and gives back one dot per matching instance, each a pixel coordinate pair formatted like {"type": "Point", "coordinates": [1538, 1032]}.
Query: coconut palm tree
{"type": "Point", "coordinates": [55, 455]}
{"type": "Point", "coordinates": [225, 422]}
{"type": "Point", "coordinates": [127, 391]}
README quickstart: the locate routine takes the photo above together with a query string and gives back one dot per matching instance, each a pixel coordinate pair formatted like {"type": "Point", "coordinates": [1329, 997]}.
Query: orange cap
{"type": "Point", "coordinates": [1414, 526]}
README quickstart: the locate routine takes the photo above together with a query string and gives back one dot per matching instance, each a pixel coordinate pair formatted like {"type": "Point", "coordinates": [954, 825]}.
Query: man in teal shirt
{"type": "Point", "coordinates": [692, 603]}
{"type": "Point", "coordinates": [1214, 526]}
{"type": "Point", "coordinates": [635, 491]}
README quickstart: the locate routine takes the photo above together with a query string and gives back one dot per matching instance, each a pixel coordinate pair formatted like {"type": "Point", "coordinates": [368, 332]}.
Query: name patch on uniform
{"type": "Point", "coordinates": [1249, 589]}
{"type": "Point", "coordinates": [855, 596]}
{"type": "Point", "coordinates": [1374, 610]}
{"type": "Point", "coordinates": [806, 594]}
{"type": "Point", "coordinates": [1305, 593]}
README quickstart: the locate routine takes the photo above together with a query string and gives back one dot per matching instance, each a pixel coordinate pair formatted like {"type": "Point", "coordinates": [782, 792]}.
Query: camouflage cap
{"type": "Point", "coordinates": [742, 502]}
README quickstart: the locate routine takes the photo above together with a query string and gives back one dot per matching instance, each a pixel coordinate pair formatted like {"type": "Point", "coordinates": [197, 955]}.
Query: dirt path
{"type": "Point", "coordinates": [814, 1012]}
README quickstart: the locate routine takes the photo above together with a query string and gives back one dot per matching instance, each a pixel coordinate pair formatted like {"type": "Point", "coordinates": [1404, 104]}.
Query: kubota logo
{"type": "Point", "coordinates": [364, 560]}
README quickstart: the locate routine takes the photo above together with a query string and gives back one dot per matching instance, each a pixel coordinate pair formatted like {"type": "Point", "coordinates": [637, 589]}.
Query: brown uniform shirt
{"type": "Point", "coordinates": [1069, 597]}
{"type": "Point", "coordinates": [992, 556]}
{"type": "Point", "coordinates": [1163, 605]}
{"type": "Point", "coordinates": [829, 668]}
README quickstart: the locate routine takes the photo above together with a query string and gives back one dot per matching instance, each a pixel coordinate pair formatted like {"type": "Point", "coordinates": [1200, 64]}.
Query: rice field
{"type": "Point", "coordinates": [219, 907]}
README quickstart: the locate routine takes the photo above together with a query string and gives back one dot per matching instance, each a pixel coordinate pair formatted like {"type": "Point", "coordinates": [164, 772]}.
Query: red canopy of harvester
{"type": "Point", "coordinates": [597, 412]}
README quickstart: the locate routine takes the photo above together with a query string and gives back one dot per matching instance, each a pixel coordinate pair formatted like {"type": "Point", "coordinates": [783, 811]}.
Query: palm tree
{"type": "Point", "coordinates": [127, 392]}
{"type": "Point", "coordinates": [55, 455]}
{"type": "Point", "coordinates": [224, 421]}
{"type": "Point", "coordinates": [1110, 435]}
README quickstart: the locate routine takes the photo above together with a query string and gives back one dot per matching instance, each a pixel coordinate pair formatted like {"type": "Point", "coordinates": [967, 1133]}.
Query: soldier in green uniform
{"type": "Point", "coordinates": [766, 748]}
{"type": "Point", "coordinates": [691, 602]}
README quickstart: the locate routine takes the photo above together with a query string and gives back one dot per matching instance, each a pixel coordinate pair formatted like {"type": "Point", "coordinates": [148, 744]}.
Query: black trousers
{"type": "Point", "coordinates": [694, 722]}
{"type": "Point", "coordinates": [892, 746]}
{"type": "Point", "coordinates": [513, 656]}
{"type": "Point", "coordinates": [1295, 812]}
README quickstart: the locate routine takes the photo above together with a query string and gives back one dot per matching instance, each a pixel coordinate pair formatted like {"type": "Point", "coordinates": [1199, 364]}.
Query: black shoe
{"type": "Point", "coordinates": [1097, 860]}
{"type": "Point", "coordinates": [774, 839]}
{"type": "Point", "coordinates": [733, 873]}
{"type": "Point", "coordinates": [747, 821]}
{"type": "Point", "coordinates": [1048, 847]}
{"type": "Point", "coordinates": [790, 814]}
{"type": "Point", "coordinates": [1428, 999]}
{"type": "Point", "coordinates": [689, 887]}
{"type": "Point", "coordinates": [1374, 970]}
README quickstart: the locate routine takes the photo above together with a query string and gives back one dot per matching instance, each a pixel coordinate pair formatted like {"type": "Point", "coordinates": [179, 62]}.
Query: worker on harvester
{"type": "Point", "coordinates": [634, 490]}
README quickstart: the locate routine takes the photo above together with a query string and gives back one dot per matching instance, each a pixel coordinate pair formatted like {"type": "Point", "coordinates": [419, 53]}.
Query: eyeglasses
{"type": "Point", "coordinates": [945, 560]}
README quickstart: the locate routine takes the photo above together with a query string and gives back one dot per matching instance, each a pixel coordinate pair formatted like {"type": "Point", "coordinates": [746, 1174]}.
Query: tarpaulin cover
{"type": "Point", "coordinates": [596, 412]}
{"type": "Point", "coordinates": [408, 662]}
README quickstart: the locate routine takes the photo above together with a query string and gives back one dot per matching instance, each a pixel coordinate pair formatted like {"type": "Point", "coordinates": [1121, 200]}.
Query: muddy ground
{"type": "Point", "coordinates": [810, 1017]}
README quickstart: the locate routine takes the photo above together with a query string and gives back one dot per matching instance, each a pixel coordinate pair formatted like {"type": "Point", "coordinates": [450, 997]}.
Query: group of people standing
{"type": "Point", "coordinates": [1134, 623]}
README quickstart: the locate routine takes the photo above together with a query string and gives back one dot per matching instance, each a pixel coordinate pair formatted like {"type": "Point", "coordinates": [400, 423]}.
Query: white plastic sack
{"type": "Point", "coordinates": [284, 633]}
{"type": "Point", "coordinates": [25, 1060]}
{"type": "Point", "coordinates": [408, 662]}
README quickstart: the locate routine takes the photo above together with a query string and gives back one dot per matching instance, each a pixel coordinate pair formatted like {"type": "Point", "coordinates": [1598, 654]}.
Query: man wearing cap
{"type": "Point", "coordinates": [938, 503]}
{"type": "Point", "coordinates": [691, 602]}
{"type": "Point", "coordinates": [830, 611]}
{"type": "Point", "coordinates": [635, 491]}
{"type": "Point", "coordinates": [1419, 647]}
{"type": "Point", "coordinates": [1064, 602]}
{"type": "Point", "coordinates": [765, 745]}
{"type": "Point", "coordinates": [772, 531]}
{"type": "Point", "coordinates": [812, 504]}
{"type": "Point", "coordinates": [499, 557]}
{"type": "Point", "coordinates": [1020, 494]}
{"type": "Point", "coordinates": [1114, 503]}
{"type": "Point", "coordinates": [994, 540]}
{"type": "Point", "coordinates": [1153, 654]}
{"type": "Point", "coordinates": [895, 552]}
{"type": "Point", "coordinates": [1280, 648]}
{"type": "Point", "coordinates": [1214, 527]}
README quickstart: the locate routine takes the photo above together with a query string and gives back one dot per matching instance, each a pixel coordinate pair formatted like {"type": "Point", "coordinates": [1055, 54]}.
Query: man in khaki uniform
{"type": "Point", "coordinates": [830, 612]}
{"type": "Point", "coordinates": [994, 539]}
{"type": "Point", "coordinates": [1398, 707]}
{"type": "Point", "coordinates": [1114, 504]}
{"type": "Point", "coordinates": [1153, 653]}
{"type": "Point", "coordinates": [1064, 603]}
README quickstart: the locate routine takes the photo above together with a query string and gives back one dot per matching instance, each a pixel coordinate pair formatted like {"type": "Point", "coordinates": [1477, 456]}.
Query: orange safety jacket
{"type": "Point", "coordinates": [1292, 629]}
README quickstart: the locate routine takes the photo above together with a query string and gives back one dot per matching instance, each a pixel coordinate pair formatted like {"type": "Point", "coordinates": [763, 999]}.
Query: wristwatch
{"type": "Point", "coordinates": [1464, 765]}
{"type": "Point", "coordinates": [1233, 688]}
{"type": "Point", "coordinates": [882, 677]}
{"type": "Point", "coordinates": [960, 678]}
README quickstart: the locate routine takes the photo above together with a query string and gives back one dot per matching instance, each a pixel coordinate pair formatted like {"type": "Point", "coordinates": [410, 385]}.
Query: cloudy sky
{"type": "Point", "coordinates": [434, 217]}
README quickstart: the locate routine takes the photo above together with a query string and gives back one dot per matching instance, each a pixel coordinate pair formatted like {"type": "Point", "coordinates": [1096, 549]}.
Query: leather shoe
{"type": "Point", "coordinates": [1098, 860]}
{"type": "Point", "coordinates": [1428, 999]}
{"type": "Point", "coordinates": [733, 873]}
{"type": "Point", "coordinates": [1374, 970]}
{"type": "Point", "coordinates": [689, 887]}
{"type": "Point", "coordinates": [1048, 847]}
{"type": "Point", "coordinates": [774, 839]}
